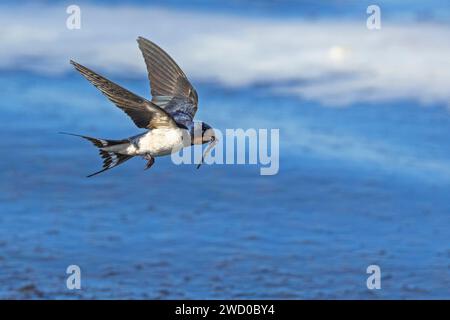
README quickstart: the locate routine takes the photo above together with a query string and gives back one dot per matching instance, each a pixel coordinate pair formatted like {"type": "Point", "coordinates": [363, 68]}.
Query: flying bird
{"type": "Point", "coordinates": [168, 118]}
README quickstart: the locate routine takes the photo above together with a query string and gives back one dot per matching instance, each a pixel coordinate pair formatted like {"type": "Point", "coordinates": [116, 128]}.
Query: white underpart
{"type": "Point", "coordinates": [158, 142]}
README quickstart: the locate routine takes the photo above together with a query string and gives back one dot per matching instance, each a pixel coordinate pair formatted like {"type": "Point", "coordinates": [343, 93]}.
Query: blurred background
{"type": "Point", "coordinates": [364, 152]}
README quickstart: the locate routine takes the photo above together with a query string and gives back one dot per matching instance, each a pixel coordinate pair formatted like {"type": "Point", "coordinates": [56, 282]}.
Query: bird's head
{"type": "Point", "coordinates": [207, 136]}
{"type": "Point", "coordinates": [203, 133]}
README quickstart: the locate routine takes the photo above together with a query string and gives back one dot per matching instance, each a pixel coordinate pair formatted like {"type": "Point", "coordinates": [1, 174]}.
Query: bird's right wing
{"type": "Point", "coordinates": [145, 114]}
{"type": "Point", "coordinates": [170, 88]}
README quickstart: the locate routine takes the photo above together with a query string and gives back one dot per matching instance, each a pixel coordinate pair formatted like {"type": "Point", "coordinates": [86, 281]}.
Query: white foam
{"type": "Point", "coordinates": [334, 62]}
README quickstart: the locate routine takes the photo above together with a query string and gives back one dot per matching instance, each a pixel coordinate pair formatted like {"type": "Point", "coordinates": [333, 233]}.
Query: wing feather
{"type": "Point", "coordinates": [169, 85]}
{"type": "Point", "coordinates": [145, 114]}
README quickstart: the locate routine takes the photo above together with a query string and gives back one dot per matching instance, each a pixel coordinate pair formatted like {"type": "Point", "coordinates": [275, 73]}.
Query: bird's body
{"type": "Point", "coordinates": [155, 142]}
{"type": "Point", "coordinates": [167, 118]}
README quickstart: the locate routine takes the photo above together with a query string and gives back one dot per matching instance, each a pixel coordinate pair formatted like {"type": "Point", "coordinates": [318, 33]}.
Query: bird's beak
{"type": "Point", "coordinates": [212, 143]}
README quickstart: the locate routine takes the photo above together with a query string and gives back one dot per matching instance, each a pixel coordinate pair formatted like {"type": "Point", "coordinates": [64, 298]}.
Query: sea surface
{"type": "Point", "coordinates": [362, 185]}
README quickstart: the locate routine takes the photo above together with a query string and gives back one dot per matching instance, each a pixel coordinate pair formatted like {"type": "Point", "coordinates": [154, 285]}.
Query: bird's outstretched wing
{"type": "Point", "coordinates": [169, 86]}
{"type": "Point", "coordinates": [144, 113]}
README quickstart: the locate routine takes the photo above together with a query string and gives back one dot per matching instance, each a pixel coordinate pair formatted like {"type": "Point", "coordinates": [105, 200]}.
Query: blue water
{"type": "Point", "coordinates": [367, 184]}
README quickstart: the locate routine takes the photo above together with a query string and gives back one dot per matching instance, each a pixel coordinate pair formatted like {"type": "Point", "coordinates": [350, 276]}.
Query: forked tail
{"type": "Point", "coordinates": [110, 159]}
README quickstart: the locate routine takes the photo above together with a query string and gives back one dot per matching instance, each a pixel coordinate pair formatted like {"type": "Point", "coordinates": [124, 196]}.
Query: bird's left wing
{"type": "Point", "coordinates": [170, 88]}
{"type": "Point", "coordinates": [144, 113]}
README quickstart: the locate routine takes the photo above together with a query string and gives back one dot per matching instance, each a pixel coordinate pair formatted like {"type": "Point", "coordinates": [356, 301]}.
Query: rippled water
{"type": "Point", "coordinates": [363, 185]}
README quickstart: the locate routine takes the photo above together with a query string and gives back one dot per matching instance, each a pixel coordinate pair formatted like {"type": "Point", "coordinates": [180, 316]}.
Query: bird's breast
{"type": "Point", "coordinates": [160, 142]}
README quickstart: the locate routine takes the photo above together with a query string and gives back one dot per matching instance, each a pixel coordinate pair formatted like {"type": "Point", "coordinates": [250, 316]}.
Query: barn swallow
{"type": "Point", "coordinates": [167, 117]}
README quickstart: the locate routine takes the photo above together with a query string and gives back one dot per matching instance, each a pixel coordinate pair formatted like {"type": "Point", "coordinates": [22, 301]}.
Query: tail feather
{"type": "Point", "coordinates": [110, 159]}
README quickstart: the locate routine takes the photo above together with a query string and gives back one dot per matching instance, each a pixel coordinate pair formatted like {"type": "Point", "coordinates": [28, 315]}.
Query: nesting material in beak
{"type": "Point", "coordinates": [208, 149]}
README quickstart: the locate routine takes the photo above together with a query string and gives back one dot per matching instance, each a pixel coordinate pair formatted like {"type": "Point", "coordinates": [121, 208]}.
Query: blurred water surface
{"type": "Point", "coordinates": [364, 152]}
{"type": "Point", "coordinates": [362, 185]}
